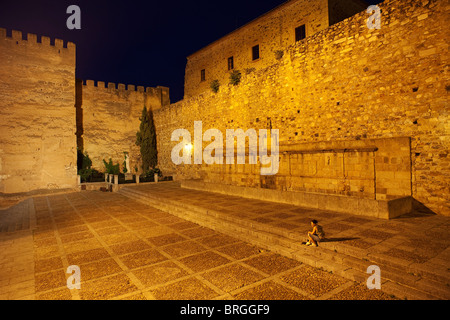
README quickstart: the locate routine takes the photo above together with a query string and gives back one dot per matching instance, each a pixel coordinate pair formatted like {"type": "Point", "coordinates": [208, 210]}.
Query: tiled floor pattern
{"type": "Point", "coordinates": [127, 250]}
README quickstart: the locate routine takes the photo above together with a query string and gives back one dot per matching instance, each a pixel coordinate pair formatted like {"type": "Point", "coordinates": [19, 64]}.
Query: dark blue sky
{"type": "Point", "coordinates": [135, 42]}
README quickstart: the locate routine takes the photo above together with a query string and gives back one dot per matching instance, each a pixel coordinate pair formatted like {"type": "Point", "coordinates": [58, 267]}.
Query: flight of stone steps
{"type": "Point", "coordinates": [347, 261]}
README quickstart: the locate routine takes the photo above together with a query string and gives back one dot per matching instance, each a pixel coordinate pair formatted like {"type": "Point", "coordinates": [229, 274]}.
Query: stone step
{"type": "Point", "coordinates": [406, 292]}
{"type": "Point", "coordinates": [346, 261]}
{"type": "Point", "coordinates": [277, 235]}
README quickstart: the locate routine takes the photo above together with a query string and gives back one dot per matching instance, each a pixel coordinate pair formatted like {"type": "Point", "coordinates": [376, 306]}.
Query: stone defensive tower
{"type": "Point", "coordinates": [37, 118]}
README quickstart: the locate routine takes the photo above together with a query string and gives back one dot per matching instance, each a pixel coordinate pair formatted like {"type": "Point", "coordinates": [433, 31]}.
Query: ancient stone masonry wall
{"type": "Point", "coordinates": [272, 32]}
{"type": "Point", "coordinates": [383, 91]}
{"type": "Point", "coordinates": [37, 113]}
{"type": "Point", "coordinates": [110, 119]}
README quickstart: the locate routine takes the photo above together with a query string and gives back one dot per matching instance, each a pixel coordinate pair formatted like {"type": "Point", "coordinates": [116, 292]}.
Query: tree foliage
{"type": "Point", "coordinates": [146, 140]}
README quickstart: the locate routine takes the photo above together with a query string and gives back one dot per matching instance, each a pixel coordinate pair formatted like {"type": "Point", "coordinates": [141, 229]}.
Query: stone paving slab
{"type": "Point", "coordinates": [128, 250]}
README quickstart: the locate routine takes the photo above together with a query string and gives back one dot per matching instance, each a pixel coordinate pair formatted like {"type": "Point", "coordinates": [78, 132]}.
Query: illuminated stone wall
{"type": "Point", "coordinates": [343, 86]}
{"type": "Point", "coordinates": [37, 113]}
{"type": "Point", "coordinates": [109, 120]}
{"type": "Point", "coordinates": [273, 32]}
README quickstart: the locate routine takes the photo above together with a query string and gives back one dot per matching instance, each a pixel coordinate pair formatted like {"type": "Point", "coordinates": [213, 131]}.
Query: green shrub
{"type": "Point", "coordinates": [150, 173]}
{"type": "Point", "coordinates": [83, 160]}
{"type": "Point", "coordinates": [84, 164]}
{"type": "Point", "coordinates": [85, 174]}
{"type": "Point", "coordinates": [215, 85]}
{"type": "Point", "coordinates": [111, 168]}
{"type": "Point", "coordinates": [235, 77]}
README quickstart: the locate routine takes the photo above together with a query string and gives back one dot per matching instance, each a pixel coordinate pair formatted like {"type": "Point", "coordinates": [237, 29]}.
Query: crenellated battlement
{"type": "Point", "coordinates": [115, 86]}
{"type": "Point", "coordinates": [120, 87]}
{"type": "Point", "coordinates": [16, 37]}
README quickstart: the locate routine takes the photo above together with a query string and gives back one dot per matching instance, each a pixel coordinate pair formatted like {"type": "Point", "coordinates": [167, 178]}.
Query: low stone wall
{"type": "Point", "coordinates": [383, 209]}
{"type": "Point", "coordinates": [370, 168]}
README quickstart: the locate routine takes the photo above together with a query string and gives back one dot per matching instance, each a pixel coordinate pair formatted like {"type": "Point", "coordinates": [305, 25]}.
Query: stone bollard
{"type": "Point", "coordinates": [116, 179]}
{"type": "Point", "coordinates": [137, 178]}
{"type": "Point", "coordinates": [155, 177]}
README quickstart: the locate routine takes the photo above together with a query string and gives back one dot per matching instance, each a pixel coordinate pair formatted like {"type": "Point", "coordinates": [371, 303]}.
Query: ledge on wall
{"type": "Point", "coordinates": [383, 209]}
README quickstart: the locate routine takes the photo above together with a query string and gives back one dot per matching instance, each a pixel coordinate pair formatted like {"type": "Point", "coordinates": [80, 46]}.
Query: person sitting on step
{"type": "Point", "coordinates": [316, 235]}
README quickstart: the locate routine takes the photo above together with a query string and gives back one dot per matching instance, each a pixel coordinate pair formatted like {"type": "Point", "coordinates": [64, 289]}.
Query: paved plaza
{"type": "Point", "coordinates": [126, 249]}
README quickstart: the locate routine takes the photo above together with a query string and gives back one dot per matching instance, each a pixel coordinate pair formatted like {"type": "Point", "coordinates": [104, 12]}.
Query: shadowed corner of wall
{"type": "Point", "coordinates": [419, 210]}
{"type": "Point", "coordinates": [79, 113]}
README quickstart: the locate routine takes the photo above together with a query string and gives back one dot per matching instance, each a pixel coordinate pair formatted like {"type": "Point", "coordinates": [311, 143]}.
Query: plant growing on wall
{"type": "Point", "coordinates": [235, 77]}
{"type": "Point", "coordinates": [279, 54]}
{"type": "Point", "coordinates": [146, 140]}
{"type": "Point", "coordinates": [215, 85]}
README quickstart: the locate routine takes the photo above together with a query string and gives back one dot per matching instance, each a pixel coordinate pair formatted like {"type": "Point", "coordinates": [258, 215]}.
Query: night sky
{"type": "Point", "coordinates": [144, 43]}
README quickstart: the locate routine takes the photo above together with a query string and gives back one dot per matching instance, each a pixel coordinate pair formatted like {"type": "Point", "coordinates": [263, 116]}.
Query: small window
{"type": "Point", "coordinates": [255, 52]}
{"type": "Point", "coordinates": [300, 33]}
{"type": "Point", "coordinates": [203, 75]}
{"type": "Point", "coordinates": [230, 63]}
